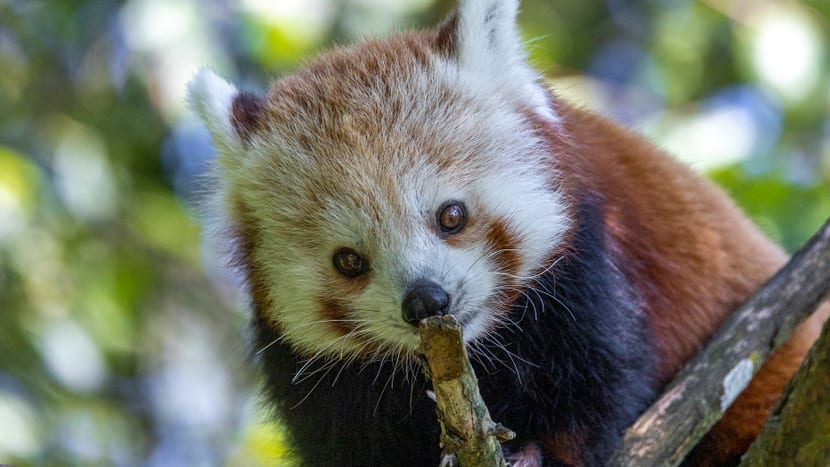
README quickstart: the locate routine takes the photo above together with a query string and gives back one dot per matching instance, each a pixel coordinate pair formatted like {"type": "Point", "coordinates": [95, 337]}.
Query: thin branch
{"type": "Point", "coordinates": [467, 431]}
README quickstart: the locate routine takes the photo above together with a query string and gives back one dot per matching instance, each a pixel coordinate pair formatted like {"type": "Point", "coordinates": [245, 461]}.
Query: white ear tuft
{"type": "Point", "coordinates": [487, 33]}
{"type": "Point", "coordinates": [488, 45]}
{"type": "Point", "coordinates": [212, 98]}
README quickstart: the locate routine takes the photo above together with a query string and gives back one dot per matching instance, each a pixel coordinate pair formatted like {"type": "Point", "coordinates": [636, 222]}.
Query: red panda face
{"type": "Point", "coordinates": [382, 183]}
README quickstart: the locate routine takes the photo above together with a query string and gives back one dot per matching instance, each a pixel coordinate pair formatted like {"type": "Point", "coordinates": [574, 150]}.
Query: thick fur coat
{"type": "Point", "coordinates": [584, 264]}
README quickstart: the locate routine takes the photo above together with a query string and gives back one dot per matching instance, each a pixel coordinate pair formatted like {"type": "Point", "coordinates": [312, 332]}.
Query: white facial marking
{"type": "Point", "coordinates": [370, 175]}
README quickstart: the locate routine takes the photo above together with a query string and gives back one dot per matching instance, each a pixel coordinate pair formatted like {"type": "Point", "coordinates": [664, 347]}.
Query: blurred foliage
{"type": "Point", "coordinates": [121, 339]}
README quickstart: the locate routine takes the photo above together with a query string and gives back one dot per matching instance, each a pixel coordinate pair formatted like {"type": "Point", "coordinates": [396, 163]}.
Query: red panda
{"type": "Point", "coordinates": [431, 173]}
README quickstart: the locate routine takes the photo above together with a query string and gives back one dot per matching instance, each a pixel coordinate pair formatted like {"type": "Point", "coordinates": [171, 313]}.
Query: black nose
{"type": "Point", "coordinates": [424, 299]}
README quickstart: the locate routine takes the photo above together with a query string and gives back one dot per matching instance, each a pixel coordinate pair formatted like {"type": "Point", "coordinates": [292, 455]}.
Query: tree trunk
{"type": "Point", "coordinates": [797, 432]}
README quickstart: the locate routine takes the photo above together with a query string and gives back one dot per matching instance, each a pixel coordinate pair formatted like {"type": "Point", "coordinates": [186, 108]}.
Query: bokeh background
{"type": "Point", "coordinates": [122, 339]}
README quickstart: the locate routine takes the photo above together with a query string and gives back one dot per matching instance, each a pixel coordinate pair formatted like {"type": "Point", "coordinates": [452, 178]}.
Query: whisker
{"type": "Point", "coordinates": [311, 390]}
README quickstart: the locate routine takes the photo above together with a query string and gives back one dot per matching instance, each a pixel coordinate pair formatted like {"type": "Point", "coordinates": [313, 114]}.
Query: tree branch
{"type": "Point", "coordinates": [467, 431]}
{"type": "Point", "coordinates": [710, 382]}
{"type": "Point", "coordinates": [797, 431]}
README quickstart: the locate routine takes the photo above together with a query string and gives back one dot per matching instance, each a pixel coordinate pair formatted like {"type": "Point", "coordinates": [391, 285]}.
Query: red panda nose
{"type": "Point", "coordinates": [424, 299]}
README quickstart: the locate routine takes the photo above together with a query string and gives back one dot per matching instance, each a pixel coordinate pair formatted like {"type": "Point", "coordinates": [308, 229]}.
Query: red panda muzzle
{"type": "Point", "coordinates": [424, 299]}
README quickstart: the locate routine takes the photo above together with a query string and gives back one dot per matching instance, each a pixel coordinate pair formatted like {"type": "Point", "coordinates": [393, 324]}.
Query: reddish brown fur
{"type": "Point", "coordinates": [245, 242]}
{"type": "Point", "coordinates": [693, 254]}
{"type": "Point", "coordinates": [508, 263]}
{"type": "Point", "coordinates": [245, 115]}
{"type": "Point", "coordinates": [444, 38]}
{"type": "Point", "coordinates": [335, 312]}
{"type": "Point", "coordinates": [501, 241]}
{"type": "Point", "coordinates": [567, 448]}
{"type": "Point", "coordinates": [337, 315]}
{"type": "Point", "coordinates": [344, 112]}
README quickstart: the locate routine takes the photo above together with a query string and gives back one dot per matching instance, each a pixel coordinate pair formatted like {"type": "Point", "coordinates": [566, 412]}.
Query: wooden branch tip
{"type": "Point", "coordinates": [467, 431]}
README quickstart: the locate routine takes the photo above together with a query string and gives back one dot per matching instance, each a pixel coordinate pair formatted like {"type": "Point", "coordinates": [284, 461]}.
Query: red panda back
{"type": "Point", "coordinates": [695, 256]}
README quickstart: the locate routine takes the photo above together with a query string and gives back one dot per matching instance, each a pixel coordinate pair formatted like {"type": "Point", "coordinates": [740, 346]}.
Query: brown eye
{"type": "Point", "coordinates": [349, 263]}
{"type": "Point", "coordinates": [452, 216]}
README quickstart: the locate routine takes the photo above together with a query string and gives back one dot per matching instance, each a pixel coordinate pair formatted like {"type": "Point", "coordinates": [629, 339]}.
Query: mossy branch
{"type": "Point", "coordinates": [797, 431]}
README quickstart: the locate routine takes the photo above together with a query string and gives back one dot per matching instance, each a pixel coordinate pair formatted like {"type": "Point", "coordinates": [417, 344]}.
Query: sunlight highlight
{"type": "Point", "coordinates": [84, 177]}
{"type": "Point", "coordinates": [19, 423]}
{"type": "Point", "coordinates": [786, 52]}
{"type": "Point", "coordinates": [172, 41]}
{"type": "Point", "coordinates": [71, 356]}
{"type": "Point", "coordinates": [714, 138]}
{"type": "Point", "coordinates": [19, 181]}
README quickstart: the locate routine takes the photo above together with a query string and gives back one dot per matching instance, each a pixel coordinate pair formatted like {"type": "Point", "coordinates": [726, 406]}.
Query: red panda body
{"type": "Point", "coordinates": [432, 173]}
{"type": "Point", "coordinates": [699, 262]}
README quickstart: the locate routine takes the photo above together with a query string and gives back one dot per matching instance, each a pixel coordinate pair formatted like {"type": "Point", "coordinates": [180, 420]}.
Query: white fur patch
{"type": "Point", "coordinates": [490, 49]}
{"type": "Point", "coordinates": [211, 98]}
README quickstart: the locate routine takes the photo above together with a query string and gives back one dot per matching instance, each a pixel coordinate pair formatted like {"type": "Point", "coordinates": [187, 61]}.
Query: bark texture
{"type": "Point", "coordinates": [797, 433]}
{"type": "Point", "coordinates": [467, 431]}
{"type": "Point", "coordinates": [696, 399]}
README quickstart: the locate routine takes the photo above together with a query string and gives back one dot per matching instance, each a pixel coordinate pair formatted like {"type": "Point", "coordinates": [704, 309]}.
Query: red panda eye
{"type": "Point", "coordinates": [349, 263]}
{"type": "Point", "coordinates": [452, 216]}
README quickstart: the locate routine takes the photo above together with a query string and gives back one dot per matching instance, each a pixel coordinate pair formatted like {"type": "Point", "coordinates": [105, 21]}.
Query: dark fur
{"type": "Point", "coordinates": [582, 366]}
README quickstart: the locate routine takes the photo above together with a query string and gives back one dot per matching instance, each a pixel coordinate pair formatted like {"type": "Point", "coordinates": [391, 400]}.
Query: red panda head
{"type": "Point", "coordinates": [388, 180]}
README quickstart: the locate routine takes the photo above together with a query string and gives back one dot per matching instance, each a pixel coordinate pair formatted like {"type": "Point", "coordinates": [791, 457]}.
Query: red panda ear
{"type": "Point", "coordinates": [246, 114]}
{"type": "Point", "coordinates": [482, 37]}
{"type": "Point", "coordinates": [231, 116]}
{"type": "Point", "coordinates": [487, 37]}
